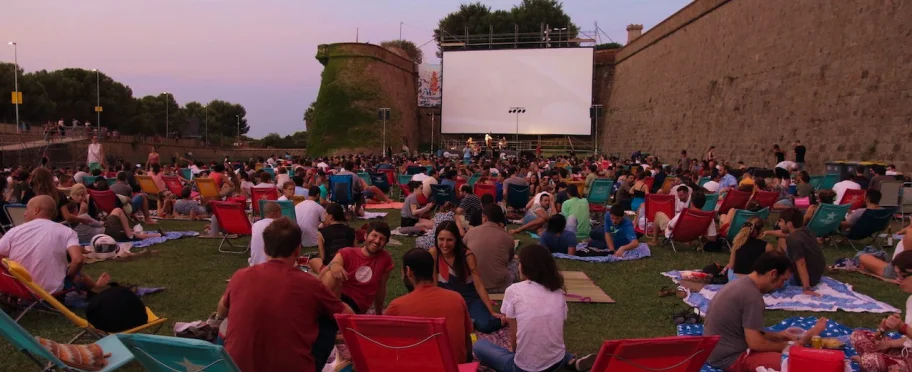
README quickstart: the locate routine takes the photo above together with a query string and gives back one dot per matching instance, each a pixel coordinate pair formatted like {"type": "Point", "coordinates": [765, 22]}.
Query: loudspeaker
{"type": "Point", "coordinates": [595, 110]}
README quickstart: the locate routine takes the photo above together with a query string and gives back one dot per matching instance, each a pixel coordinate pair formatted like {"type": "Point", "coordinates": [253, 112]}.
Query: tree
{"type": "Point", "coordinates": [411, 50]}
{"type": "Point", "coordinates": [309, 114]}
{"type": "Point", "coordinates": [223, 119]}
{"type": "Point", "coordinates": [611, 45]}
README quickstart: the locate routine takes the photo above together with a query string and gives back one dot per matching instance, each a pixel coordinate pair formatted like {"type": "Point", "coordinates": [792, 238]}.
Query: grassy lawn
{"type": "Point", "coordinates": [194, 273]}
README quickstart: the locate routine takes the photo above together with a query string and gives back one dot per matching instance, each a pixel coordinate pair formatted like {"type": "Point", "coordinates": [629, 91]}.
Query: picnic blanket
{"type": "Point", "coordinates": [641, 251]}
{"type": "Point", "coordinates": [372, 215]}
{"type": "Point", "coordinates": [833, 329]}
{"type": "Point", "coordinates": [835, 295]}
{"type": "Point", "coordinates": [391, 205]}
{"type": "Point", "coordinates": [580, 288]}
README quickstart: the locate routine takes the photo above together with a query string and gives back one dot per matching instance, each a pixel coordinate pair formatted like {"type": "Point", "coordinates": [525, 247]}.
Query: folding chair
{"type": "Point", "coordinates": [186, 173]}
{"type": "Point", "coordinates": [666, 186]}
{"type": "Point", "coordinates": [111, 181]}
{"type": "Point", "coordinates": [703, 181]}
{"type": "Point", "coordinates": [691, 225]}
{"type": "Point", "coordinates": [816, 182]}
{"type": "Point", "coordinates": [17, 295]}
{"type": "Point", "coordinates": [399, 343]}
{"type": "Point", "coordinates": [482, 189]}
{"type": "Point", "coordinates": [271, 172]}
{"type": "Point", "coordinates": [232, 219]}
{"type": "Point", "coordinates": [414, 169]}
{"type": "Point", "coordinates": [855, 198]}
{"type": "Point", "coordinates": [580, 186]}
{"type": "Point", "coordinates": [827, 218]}
{"type": "Point", "coordinates": [208, 189]}
{"type": "Point", "coordinates": [829, 180]}
{"type": "Point", "coordinates": [891, 193]}
{"type": "Point", "coordinates": [766, 199]}
{"type": "Point", "coordinates": [25, 343]}
{"type": "Point", "coordinates": [649, 182]}
{"type": "Point", "coordinates": [734, 199]}
{"type": "Point", "coordinates": [711, 201]}
{"type": "Point", "coordinates": [148, 186]}
{"type": "Point", "coordinates": [173, 184]}
{"type": "Point", "coordinates": [22, 276]}
{"type": "Point", "coordinates": [89, 180]}
{"type": "Point", "coordinates": [441, 194]}
{"type": "Point", "coordinates": [169, 354]}
{"type": "Point", "coordinates": [517, 196]}
{"type": "Point", "coordinates": [261, 193]}
{"type": "Point", "coordinates": [110, 175]}
{"type": "Point", "coordinates": [105, 200]}
{"type": "Point", "coordinates": [655, 203]}
{"type": "Point", "coordinates": [666, 354]}
{"type": "Point", "coordinates": [599, 193]}
{"type": "Point", "coordinates": [286, 205]}
{"type": "Point", "coordinates": [474, 179]}
{"type": "Point", "coordinates": [380, 180]}
{"type": "Point", "coordinates": [340, 190]}
{"type": "Point", "coordinates": [15, 214]}
{"type": "Point", "coordinates": [871, 223]}
{"type": "Point", "coordinates": [742, 216]}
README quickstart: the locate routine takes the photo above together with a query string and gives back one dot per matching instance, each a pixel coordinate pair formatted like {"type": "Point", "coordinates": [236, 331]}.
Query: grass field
{"type": "Point", "coordinates": [194, 273]}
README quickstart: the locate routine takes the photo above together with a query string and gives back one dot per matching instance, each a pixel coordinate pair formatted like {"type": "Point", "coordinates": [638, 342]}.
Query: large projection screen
{"type": "Point", "coordinates": [553, 84]}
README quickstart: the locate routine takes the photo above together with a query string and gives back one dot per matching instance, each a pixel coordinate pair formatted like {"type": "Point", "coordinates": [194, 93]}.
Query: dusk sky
{"type": "Point", "coordinates": [256, 53]}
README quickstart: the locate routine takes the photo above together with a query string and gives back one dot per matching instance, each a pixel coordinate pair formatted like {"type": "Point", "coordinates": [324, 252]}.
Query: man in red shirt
{"type": "Point", "coordinates": [275, 308]}
{"type": "Point", "coordinates": [426, 299]}
{"type": "Point", "coordinates": [359, 274]}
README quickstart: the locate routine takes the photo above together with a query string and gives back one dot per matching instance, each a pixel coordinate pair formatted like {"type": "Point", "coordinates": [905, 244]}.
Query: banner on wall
{"type": "Point", "coordinates": [430, 85]}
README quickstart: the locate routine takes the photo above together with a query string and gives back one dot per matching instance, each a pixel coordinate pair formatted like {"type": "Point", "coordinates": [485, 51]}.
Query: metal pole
{"type": "Point", "coordinates": [383, 150]}
{"type": "Point", "coordinates": [167, 117]}
{"type": "Point", "coordinates": [207, 124]}
{"type": "Point", "coordinates": [433, 114]}
{"type": "Point", "coordinates": [400, 35]}
{"type": "Point", "coordinates": [16, 80]}
{"type": "Point", "coordinates": [238, 128]}
{"type": "Point", "coordinates": [98, 99]}
{"type": "Point", "coordinates": [517, 128]}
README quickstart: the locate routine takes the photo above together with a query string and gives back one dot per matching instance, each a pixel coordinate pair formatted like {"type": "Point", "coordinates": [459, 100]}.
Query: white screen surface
{"type": "Point", "coordinates": [554, 85]}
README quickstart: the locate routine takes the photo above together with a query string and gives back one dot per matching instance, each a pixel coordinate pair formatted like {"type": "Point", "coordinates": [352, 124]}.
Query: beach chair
{"type": "Point", "coordinates": [666, 354]}
{"type": "Point", "coordinates": [580, 186]}
{"type": "Point", "coordinates": [208, 189]}
{"type": "Point", "coordinates": [869, 226]}
{"type": "Point", "coordinates": [261, 193]}
{"type": "Point", "coordinates": [340, 189]}
{"type": "Point", "coordinates": [288, 208]}
{"type": "Point", "coordinates": [854, 198]}
{"type": "Point", "coordinates": [481, 189]}
{"type": "Point", "coordinates": [829, 180]}
{"type": "Point", "coordinates": [742, 216]}
{"type": "Point", "coordinates": [89, 180]}
{"type": "Point", "coordinates": [110, 175]}
{"type": "Point", "coordinates": [766, 199]}
{"type": "Point", "coordinates": [186, 173]}
{"type": "Point", "coordinates": [271, 172]}
{"type": "Point", "coordinates": [399, 343]}
{"type": "Point", "coordinates": [649, 182]}
{"type": "Point", "coordinates": [517, 196]}
{"type": "Point", "coordinates": [22, 276]}
{"type": "Point", "coordinates": [367, 177]}
{"type": "Point", "coordinates": [474, 179]}
{"type": "Point", "coordinates": [173, 184]}
{"type": "Point", "coordinates": [703, 181]}
{"type": "Point", "coordinates": [666, 186]}
{"type": "Point", "coordinates": [711, 201]}
{"type": "Point", "coordinates": [390, 175]}
{"type": "Point", "coordinates": [105, 201]}
{"type": "Point", "coordinates": [691, 225]}
{"type": "Point", "coordinates": [15, 214]}
{"type": "Point", "coordinates": [599, 194]}
{"type": "Point", "coordinates": [826, 219]}
{"type": "Point", "coordinates": [169, 354]}
{"type": "Point", "coordinates": [26, 344]}
{"type": "Point", "coordinates": [380, 180]}
{"type": "Point", "coordinates": [403, 179]}
{"type": "Point", "coordinates": [414, 169]}
{"type": "Point", "coordinates": [148, 186]}
{"type": "Point", "coordinates": [734, 199]}
{"type": "Point", "coordinates": [816, 181]}
{"type": "Point", "coordinates": [17, 295]}
{"type": "Point", "coordinates": [232, 219]}
{"type": "Point", "coordinates": [441, 194]}
{"type": "Point", "coordinates": [891, 195]}
{"type": "Point", "coordinates": [653, 204]}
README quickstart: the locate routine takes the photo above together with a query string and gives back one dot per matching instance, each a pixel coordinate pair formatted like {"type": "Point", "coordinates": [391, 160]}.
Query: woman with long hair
{"type": "Point", "coordinates": [536, 310]}
{"type": "Point", "coordinates": [446, 213]}
{"type": "Point", "coordinates": [746, 248]}
{"type": "Point", "coordinates": [456, 270]}
{"type": "Point", "coordinates": [639, 191]}
{"type": "Point", "coordinates": [333, 236]}
{"type": "Point", "coordinates": [535, 186]}
{"type": "Point", "coordinates": [42, 183]}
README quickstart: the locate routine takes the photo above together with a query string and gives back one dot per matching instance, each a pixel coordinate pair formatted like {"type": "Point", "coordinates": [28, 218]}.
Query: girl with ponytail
{"type": "Point", "coordinates": [746, 247]}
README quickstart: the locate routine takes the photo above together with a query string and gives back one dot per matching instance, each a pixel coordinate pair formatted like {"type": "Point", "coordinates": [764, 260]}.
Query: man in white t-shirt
{"type": "Point", "coordinates": [427, 182]}
{"type": "Point", "coordinates": [309, 215]}
{"type": "Point", "coordinates": [419, 177]}
{"type": "Point", "coordinates": [258, 255]}
{"type": "Point", "coordinates": [713, 185]}
{"type": "Point", "coordinates": [844, 184]}
{"type": "Point", "coordinates": [95, 157]}
{"type": "Point", "coordinates": [41, 246]}
{"type": "Point", "coordinates": [697, 202]}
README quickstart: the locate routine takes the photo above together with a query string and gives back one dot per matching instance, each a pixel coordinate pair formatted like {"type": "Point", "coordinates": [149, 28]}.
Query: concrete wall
{"type": "Point", "coordinates": [746, 74]}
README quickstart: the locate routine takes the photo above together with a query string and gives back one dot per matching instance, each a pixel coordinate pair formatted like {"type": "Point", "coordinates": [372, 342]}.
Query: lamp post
{"type": "Point", "coordinates": [517, 111]}
{"type": "Point", "coordinates": [433, 116]}
{"type": "Point", "coordinates": [97, 100]}
{"type": "Point", "coordinates": [206, 121]}
{"type": "Point", "coordinates": [559, 31]}
{"type": "Point", "coordinates": [596, 110]}
{"type": "Point", "coordinates": [384, 114]}
{"type": "Point", "coordinates": [167, 116]}
{"type": "Point", "coordinates": [238, 128]}
{"type": "Point", "coordinates": [400, 30]}
{"type": "Point", "coordinates": [16, 94]}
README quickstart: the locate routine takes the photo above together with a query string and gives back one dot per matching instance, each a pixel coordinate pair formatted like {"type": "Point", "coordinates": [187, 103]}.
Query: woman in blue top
{"type": "Point", "coordinates": [556, 239]}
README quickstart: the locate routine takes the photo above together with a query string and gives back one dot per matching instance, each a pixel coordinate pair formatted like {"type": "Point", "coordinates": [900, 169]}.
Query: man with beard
{"type": "Point", "coordinates": [425, 299]}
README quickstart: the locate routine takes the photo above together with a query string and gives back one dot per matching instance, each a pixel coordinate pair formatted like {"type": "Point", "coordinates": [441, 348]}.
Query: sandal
{"type": "Point", "coordinates": [681, 293]}
{"type": "Point", "coordinates": [665, 291]}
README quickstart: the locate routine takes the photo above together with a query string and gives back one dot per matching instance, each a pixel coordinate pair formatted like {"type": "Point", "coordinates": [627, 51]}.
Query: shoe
{"type": "Point", "coordinates": [584, 363]}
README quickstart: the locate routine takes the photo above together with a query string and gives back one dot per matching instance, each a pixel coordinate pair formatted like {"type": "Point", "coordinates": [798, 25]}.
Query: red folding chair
{"type": "Point", "coordinates": [649, 182]}
{"type": "Point", "coordinates": [399, 343]}
{"type": "Point", "coordinates": [174, 185]}
{"type": "Point", "coordinates": [856, 198]}
{"type": "Point", "coordinates": [690, 226]}
{"type": "Point", "coordinates": [110, 174]}
{"type": "Point", "coordinates": [766, 199]}
{"type": "Point", "coordinates": [390, 175]}
{"type": "Point", "coordinates": [481, 189]}
{"type": "Point", "coordinates": [105, 200]}
{"type": "Point", "coordinates": [261, 193]}
{"type": "Point", "coordinates": [734, 199]}
{"type": "Point", "coordinates": [232, 219]}
{"type": "Point", "coordinates": [656, 203]}
{"type": "Point", "coordinates": [666, 354]}
{"type": "Point", "coordinates": [16, 295]}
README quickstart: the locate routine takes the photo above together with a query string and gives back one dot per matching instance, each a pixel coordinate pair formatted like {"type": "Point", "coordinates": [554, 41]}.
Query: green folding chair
{"type": "Point", "coordinates": [366, 177]}
{"type": "Point", "coordinates": [711, 201]}
{"type": "Point", "coordinates": [829, 181]}
{"type": "Point", "coordinates": [827, 218]}
{"type": "Point", "coordinates": [816, 182]}
{"type": "Point", "coordinates": [288, 208]}
{"type": "Point", "coordinates": [169, 354]}
{"type": "Point", "coordinates": [742, 216]}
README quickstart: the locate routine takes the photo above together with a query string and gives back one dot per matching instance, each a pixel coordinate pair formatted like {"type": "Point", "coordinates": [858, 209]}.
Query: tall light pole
{"type": "Point", "coordinates": [238, 128]}
{"type": "Point", "coordinates": [596, 111]}
{"type": "Point", "coordinates": [433, 116]}
{"type": "Point", "coordinates": [167, 115]}
{"type": "Point", "coordinates": [384, 114]}
{"type": "Point", "coordinates": [559, 33]}
{"type": "Point", "coordinates": [517, 111]}
{"type": "Point", "coordinates": [97, 100]}
{"type": "Point", "coordinates": [206, 107]}
{"type": "Point", "coordinates": [16, 95]}
{"type": "Point", "coordinates": [400, 32]}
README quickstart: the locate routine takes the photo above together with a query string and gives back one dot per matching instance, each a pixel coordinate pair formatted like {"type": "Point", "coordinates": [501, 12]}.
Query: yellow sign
{"type": "Point", "coordinates": [98, 109]}
{"type": "Point", "coordinates": [16, 98]}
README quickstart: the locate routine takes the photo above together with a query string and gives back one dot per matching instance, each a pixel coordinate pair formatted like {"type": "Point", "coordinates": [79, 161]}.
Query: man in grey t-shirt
{"type": "Point", "coordinates": [736, 314]}
{"type": "Point", "coordinates": [803, 250]}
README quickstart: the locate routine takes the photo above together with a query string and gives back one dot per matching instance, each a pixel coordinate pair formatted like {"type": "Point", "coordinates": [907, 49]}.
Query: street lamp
{"type": "Point", "coordinates": [17, 95]}
{"type": "Point", "coordinates": [596, 111]}
{"type": "Point", "coordinates": [517, 111]}
{"type": "Point", "coordinates": [559, 30]}
{"type": "Point", "coordinates": [167, 115]}
{"type": "Point", "coordinates": [97, 99]}
{"type": "Point", "coordinates": [238, 128]}
{"type": "Point", "coordinates": [383, 113]}
{"type": "Point", "coordinates": [206, 121]}
{"type": "Point", "coordinates": [433, 115]}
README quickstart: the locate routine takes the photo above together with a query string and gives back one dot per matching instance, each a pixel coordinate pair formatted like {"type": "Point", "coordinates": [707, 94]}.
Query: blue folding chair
{"type": "Point", "coordinates": [742, 216]}
{"type": "Point", "coordinates": [440, 194]}
{"type": "Point", "coordinates": [711, 201]}
{"type": "Point", "coordinates": [186, 173]}
{"type": "Point", "coordinates": [287, 208]}
{"type": "Point", "coordinates": [340, 189]}
{"type": "Point", "coordinates": [26, 344]}
{"type": "Point", "coordinates": [366, 177]}
{"type": "Point", "coordinates": [869, 226]}
{"type": "Point", "coordinates": [826, 219]}
{"type": "Point", "coordinates": [169, 354]}
{"type": "Point", "coordinates": [380, 180]}
{"type": "Point", "coordinates": [517, 196]}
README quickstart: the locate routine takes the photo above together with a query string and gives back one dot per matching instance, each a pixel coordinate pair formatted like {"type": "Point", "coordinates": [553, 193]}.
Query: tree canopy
{"type": "Point", "coordinates": [71, 93]}
{"type": "Point", "coordinates": [411, 50]}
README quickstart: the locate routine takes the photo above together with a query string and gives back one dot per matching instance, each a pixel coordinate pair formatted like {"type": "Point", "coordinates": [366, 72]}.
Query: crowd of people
{"type": "Point", "coordinates": [464, 251]}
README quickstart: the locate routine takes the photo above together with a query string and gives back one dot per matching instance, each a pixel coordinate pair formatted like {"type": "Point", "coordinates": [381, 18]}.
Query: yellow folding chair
{"type": "Point", "coordinates": [208, 189]}
{"type": "Point", "coordinates": [148, 186]}
{"type": "Point", "coordinates": [22, 276]}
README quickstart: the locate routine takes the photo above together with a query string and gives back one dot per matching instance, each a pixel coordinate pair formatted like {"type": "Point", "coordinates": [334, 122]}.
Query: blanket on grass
{"type": "Point", "coordinates": [372, 215]}
{"type": "Point", "coordinates": [641, 251]}
{"type": "Point", "coordinates": [835, 295]}
{"type": "Point", "coordinates": [833, 329]}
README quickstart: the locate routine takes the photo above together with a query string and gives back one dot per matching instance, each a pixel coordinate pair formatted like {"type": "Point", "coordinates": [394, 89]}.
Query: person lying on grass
{"type": "Point", "coordinates": [538, 210]}
{"type": "Point", "coordinates": [887, 270]}
{"type": "Point", "coordinates": [114, 224]}
{"type": "Point", "coordinates": [881, 354]}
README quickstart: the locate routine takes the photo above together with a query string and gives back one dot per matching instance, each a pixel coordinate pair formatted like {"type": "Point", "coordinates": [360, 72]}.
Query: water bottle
{"type": "Point", "coordinates": [889, 241]}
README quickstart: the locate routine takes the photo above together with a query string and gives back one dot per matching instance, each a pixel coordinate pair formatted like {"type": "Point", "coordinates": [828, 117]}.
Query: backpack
{"type": "Point", "coordinates": [116, 309]}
